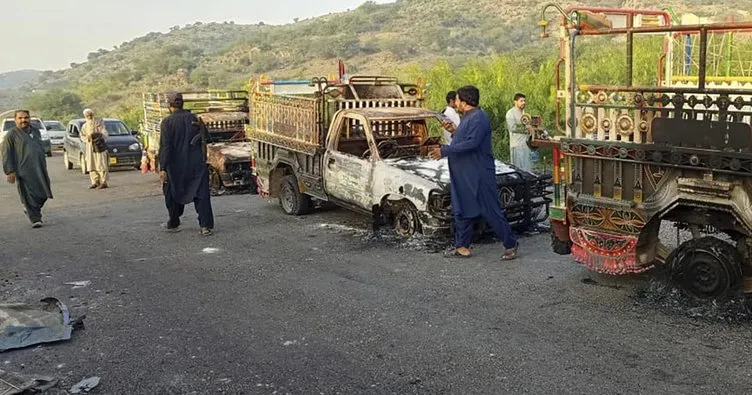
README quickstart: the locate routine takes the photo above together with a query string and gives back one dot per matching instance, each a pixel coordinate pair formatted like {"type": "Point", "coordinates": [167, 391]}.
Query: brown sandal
{"type": "Point", "coordinates": [453, 253]}
{"type": "Point", "coordinates": [510, 253]}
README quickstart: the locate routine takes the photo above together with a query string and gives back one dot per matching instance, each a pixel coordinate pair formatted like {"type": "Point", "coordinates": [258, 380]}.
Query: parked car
{"type": "Point", "coordinates": [56, 131]}
{"type": "Point", "coordinates": [122, 145]}
{"type": "Point", "coordinates": [35, 122]}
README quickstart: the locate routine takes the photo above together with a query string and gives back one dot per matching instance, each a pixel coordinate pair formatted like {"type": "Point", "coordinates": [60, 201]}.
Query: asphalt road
{"type": "Point", "coordinates": [276, 304]}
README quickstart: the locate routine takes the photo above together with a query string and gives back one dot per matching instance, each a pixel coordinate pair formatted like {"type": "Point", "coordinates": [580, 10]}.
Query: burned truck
{"type": "Point", "coordinates": [672, 149]}
{"type": "Point", "coordinates": [363, 144]}
{"type": "Point", "coordinates": [224, 115]}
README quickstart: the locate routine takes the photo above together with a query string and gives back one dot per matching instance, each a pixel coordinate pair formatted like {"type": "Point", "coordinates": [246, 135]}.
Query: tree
{"type": "Point", "coordinates": [55, 104]}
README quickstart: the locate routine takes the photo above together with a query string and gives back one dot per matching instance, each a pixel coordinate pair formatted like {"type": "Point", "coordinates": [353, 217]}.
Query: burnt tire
{"type": "Point", "coordinates": [291, 200]}
{"type": "Point", "coordinates": [706, 269]}
{"type": "Point", "coordinates": [405, 221]}
{"type": "Point", "coordinates": [561, 247]}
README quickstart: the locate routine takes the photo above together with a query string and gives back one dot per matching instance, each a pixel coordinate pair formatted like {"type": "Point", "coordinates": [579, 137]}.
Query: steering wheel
{"type": "Point", "coordinates": [385, 148]}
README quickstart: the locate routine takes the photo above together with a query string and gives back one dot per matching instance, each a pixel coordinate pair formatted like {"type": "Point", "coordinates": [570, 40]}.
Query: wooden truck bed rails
{"type": "Point", "coordinates": [296, 114]}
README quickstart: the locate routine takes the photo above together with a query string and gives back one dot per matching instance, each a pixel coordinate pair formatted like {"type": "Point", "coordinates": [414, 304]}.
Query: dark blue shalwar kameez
{"type": "Point", "coordinates": [472, 173]}
{"type": "Point", "coordinates": [181, 156]}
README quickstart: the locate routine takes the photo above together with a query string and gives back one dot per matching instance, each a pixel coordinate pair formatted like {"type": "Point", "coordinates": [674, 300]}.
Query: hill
{"type": "Point", "coordinates": [373, 38]}
{"type": "Point", "coordinates": [14, 86]}
{"type": "Point", "coordinates": [17, 79]}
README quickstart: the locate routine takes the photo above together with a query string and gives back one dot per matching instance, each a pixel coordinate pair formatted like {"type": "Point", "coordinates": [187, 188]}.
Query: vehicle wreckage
{"type": "Point", "coordinates": [363, 144]}
{"type": "Point", "coordinates": [223, 116]}
{"type": "Point", "coordinates": [637, 155]}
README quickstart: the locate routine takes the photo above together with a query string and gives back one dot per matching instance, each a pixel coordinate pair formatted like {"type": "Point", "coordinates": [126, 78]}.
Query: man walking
{"type": "Point", "coordinates": [451, 113]}
{"type": "Point", "coordinates": [518, 149]}
{"type": "Point", "coordinates": [472, 177]}
{"type": "Point", "coordinates": [25, 164]}
{"type": "Point", "coordinates": [183, 169]}
{"type": "Point", "coordinates": [94, 135]}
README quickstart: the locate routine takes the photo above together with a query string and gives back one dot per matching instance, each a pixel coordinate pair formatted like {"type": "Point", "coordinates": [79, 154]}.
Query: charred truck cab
{"type": "Point", "coordinates": [636, 155]}
{"type": "Point", "coordinates": [363, 144]}
{"type": "Point", "coordinates": [224, 114]}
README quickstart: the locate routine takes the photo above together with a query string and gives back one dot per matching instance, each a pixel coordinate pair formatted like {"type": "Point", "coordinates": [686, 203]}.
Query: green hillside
{"type": "Point", "coordinates": [407, 37]}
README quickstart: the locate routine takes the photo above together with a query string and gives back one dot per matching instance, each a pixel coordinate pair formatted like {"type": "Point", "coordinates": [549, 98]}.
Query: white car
{"type": "Point", "coordinates": [35, 122]}
{"type": "Point", "coordinates": [56, 131]}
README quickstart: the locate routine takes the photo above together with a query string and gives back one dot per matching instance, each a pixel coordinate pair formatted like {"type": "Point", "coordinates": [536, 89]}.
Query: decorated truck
{"type": "Point", "coordinates": [363, 144]}
{"type": "Point", "coordinates": [638, 156]}
{"type": "Point", "coordinates": [224, 115]}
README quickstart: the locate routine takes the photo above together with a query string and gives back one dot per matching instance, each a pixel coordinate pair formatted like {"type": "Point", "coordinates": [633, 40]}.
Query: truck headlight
{"type": "Point", "coordinates": [135, 147]}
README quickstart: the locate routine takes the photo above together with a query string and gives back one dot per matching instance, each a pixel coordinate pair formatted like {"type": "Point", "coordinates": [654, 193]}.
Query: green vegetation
{"type": "Point", "coordinates": [492, 44]}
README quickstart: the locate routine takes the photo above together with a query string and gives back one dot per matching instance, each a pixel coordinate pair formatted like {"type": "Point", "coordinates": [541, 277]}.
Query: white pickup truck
{"type": "Point", "coordinates": [372, 157]}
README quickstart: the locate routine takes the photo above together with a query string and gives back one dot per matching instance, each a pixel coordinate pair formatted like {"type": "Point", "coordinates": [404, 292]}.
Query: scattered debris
{"type": "Point", "coordinates": [16, 384]}
{"type": "Point", "coordinates": [78, 284]}
{"type": "Point", "coordinates": [210, 250]}
{"type": "Point", "coordinates": [23, 325]}
{"type": "Point", "coordinates": [289, 343]}
{"type": "Point", "coordinates": [85, 385]}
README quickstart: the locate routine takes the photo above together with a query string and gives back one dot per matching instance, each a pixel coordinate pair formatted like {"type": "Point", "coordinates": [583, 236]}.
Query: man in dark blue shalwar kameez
{"type": "Point", "coordinates": [473, 179]}
{"type": "Point", "coordinates": [184, 173]}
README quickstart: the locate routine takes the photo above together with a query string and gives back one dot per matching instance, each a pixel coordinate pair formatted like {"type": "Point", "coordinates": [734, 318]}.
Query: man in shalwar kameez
{"type": "Point", "coordinates": [472, 172]}
{"type": "Point", "coordinates": [96, 163]}
{"type": "Point", "coordinates": [184, 172]}
{"type": "Point", "coordinates": [519, 152]}
{"type": "Point", "coordinates": [25, 164]}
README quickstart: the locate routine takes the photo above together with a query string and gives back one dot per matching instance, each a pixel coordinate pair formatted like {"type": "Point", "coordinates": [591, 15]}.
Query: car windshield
{"type": "Point", "coordinates": [55, 126]}
{"type": "Point", "coordinates": [8, 124]}
{"type": "Point", "coordinates": [37, 124]}
{"type": "Point", "coordinates": [116, 128]}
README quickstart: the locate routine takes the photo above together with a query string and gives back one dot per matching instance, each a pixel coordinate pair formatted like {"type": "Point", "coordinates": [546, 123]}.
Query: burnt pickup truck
{"type": "Point", "coordinates": [363, 145]}
{"type": "Point", "coordinates": [224, 114]}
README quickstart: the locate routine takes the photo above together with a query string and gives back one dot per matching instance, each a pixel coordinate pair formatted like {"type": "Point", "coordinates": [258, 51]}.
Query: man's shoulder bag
{"type": "Point", "coordinates": [98, 142]}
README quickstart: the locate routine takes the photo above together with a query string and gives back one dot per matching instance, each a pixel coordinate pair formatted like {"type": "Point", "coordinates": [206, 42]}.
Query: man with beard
{"type": "Point", "coordinates": [519, 152]}
{"type": "Point", "coordinates": [472, 173]}
{"type": "Point", "coordinates": [94, 134]}
{"type": "Point", "coordinates": [184, 173]}
{"type": "Point", "coordinates": [25, 164]}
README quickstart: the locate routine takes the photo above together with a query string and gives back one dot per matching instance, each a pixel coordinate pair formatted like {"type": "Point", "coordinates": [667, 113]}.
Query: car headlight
{"type": "Point", "coordinates": [439, 201]}
{"type": "Point", "coordinates": [45, 136]}
{"type": "Point", "coordinates": [135, 147]}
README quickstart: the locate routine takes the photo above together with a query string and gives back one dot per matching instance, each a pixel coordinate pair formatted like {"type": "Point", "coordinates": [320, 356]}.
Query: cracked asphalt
{"type": "Point", "coordinates": [273, 304]}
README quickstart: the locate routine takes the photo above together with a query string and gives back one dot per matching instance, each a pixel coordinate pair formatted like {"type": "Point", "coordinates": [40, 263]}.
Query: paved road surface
{"type": "Point", "coordinates": [276, 304]}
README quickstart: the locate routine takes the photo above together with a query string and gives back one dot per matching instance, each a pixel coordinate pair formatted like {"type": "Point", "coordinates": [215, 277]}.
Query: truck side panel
{"type": "Point", "coordinates": [274, 162]}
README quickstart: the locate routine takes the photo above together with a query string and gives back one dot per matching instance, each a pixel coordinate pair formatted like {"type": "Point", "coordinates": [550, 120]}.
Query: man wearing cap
{"type": "Point", "coordinates": [183, 169]}
{"type": "Point", "coordinates": [94, 134]}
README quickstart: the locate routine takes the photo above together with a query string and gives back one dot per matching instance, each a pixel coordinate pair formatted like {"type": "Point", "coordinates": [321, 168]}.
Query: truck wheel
{"type": "Point", "coordinates": [405, 217]}
{"type": "Point", "coordinates": [291, 200]}
{"type": "Point", "coordinates": [68, 164]}
{"type": "Point", "coordinates": [561, 247]}
{"type": "Point", "coordinates": [706, 268]}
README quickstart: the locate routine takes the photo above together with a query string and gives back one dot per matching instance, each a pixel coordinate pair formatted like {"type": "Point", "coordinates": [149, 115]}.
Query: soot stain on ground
{"type": "Point", "coordinates": [659, 294]}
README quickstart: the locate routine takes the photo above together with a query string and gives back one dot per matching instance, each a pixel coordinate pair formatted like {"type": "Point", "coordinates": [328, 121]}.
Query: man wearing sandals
{"type": "Point", "coordinates": [472, 173]}
{"type": "Point", "coordinates": [183, 169]}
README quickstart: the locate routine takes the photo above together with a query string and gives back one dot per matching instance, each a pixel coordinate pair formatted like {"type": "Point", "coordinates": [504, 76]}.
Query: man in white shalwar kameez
{"type": "Point", "coordinates": [96, 163]}
{"type": "Point", "coordinates": [519, 152]}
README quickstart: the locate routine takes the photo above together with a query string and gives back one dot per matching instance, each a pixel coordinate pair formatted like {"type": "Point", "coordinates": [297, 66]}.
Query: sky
{"type": "Point", "coordinates": [50, 34]}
